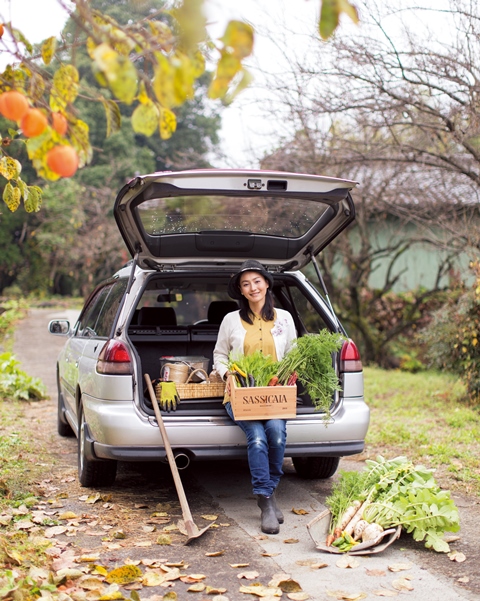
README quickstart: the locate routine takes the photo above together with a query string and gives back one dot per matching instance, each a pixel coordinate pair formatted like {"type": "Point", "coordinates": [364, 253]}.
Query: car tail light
{"type": "Point", "coordinates": [350, 357]}
{"type": "Point", "coordinates": [114, 359]}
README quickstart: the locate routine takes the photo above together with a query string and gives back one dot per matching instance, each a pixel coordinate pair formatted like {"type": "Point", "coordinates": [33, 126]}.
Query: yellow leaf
{"type": "Point", "coordinates": [290, 586]}
{"type": "Point", "coordinates": [67, 515]}
{"type": "Point", "coordinates": [402, 584]}
{"type": "Point", "coordinates": [347, 562]}
{"type": "Point", "coordinates": [168, 123]}
{"type": "Point", "coordinates": [33, 201]}
{"type": "Point", "coordinates": [79, 136]}
{"type": "Point", "coordinates": [113, 596]}
{"type": "Point", "coordinates": [215, 554]}
{"type": "Point", "coordinates": [112, 113]}
{"type": "Point", "coordinates": [65, 87]}
{"type": "Point", "coordinates": [248, 575]}
{"type": "Point", "coordinates": [291, 541]}
{"type": "Point", "coordinates": [330, 15]}
{"type": "Point", "coordinates": [212, 518]}
{"type": "Point", "coordinates": [170, 596]}
{"type": "Point", "coordinates": [124, 575]}
{"type": "Point", "coordinates": [299, 511]}
{"type": "Point", "coordinates": [119, 71]}
{"type": "Point", "coordinates": [301, 596]}
{"type": "Point", "coordinates": [145, 119]}
{"type": "Point", "coordinates": [260, 590]}
{"type": "Point", "coordinates": [48, 49]}
{"type": "Point", "coordinates": [164, 539]}
{"type": "Point", "coordinates": [163, 81]}
{"type": "Point", "coordinates": [199, 587]}
{"type": "Point", "coordinates": [238, 38]}
{"type": "Point", "coordinates": [10, 168]}
{"type": "Point", "coordinates": [153, 579]}
{"type": "Point", "coordinates": [36, 87]}
{"type": "Point", "coordinates": [214, 590]}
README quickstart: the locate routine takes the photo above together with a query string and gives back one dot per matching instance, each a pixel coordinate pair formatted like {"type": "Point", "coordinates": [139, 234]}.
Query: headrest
{"type": "Point", "coordinates": [157, 316]}
{"type": "Point", "coordinates": [218, 309]}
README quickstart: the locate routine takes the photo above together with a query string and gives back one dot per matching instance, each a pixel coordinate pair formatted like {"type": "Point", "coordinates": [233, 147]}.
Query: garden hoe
{"type": "Point", "coordinates": [190, 526]}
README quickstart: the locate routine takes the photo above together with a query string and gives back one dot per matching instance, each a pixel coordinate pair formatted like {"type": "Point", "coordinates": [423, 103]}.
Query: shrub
{"type": "Point", "coordinates": [16, 384]}
{"type": "Point", "coordinates": [452, 338]}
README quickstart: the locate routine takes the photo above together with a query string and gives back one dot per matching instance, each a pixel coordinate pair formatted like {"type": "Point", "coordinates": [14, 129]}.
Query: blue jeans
{"type": "Point", "coordinates": [266, 441]}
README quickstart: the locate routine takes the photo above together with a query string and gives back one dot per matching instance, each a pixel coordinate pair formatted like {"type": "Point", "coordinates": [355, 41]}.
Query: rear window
{"type": "Point", "coordinates": [285, 217]}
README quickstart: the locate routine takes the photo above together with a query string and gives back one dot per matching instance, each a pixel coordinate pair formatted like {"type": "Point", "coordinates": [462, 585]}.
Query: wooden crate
{"type": "Point", "coordinates": [263, 402]}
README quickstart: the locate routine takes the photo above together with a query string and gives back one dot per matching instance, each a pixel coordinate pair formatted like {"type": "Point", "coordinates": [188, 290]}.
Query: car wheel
{"type": "Point", "coordinates": [92, 472]}
{"type": "Point", "coordinates": [314, 468]}
{"type": "Point", "coordinates": [63, 427]}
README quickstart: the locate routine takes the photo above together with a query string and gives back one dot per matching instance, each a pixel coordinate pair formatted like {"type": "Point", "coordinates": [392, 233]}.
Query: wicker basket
{"type": "Point", "coordinates": [197, 391]}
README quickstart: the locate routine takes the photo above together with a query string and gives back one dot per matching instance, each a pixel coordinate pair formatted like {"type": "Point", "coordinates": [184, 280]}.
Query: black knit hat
{"type": "Point", "coordinates": [249, 265]}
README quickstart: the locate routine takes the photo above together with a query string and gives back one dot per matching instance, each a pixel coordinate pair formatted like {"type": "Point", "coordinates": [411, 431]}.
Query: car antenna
{"type": "Point", "coordinates": [325, 291]}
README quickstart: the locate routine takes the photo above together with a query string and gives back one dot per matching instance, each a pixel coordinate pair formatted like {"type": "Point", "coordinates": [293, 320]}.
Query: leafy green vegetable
{"type": "Point", "coordinates": [261, 367]}
{"type": "Point", "coordinates": [311, 359]}
{"type": "Point", "coordinates": [397, 493]}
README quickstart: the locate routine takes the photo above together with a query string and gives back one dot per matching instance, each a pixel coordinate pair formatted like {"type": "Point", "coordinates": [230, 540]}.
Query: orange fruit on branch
{"type": "Point", "coordinates": [63, 160]}
{"type": "Point", "coordinates": [59, 123]}
{"type": "Point", "coordinates": [13, 105]}
{"type": "Point", "coordinates": [33, 123]}
{"type": "Point", "coordinates": [2, 30]}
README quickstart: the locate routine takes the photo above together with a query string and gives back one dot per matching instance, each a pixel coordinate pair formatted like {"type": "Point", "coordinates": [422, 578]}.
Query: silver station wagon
{"type": "Point", "coordinates": [187, 233]}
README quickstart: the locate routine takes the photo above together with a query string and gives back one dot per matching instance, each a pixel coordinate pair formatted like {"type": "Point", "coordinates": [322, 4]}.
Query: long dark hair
{"type": "Point", "coordinates": [267, 313]}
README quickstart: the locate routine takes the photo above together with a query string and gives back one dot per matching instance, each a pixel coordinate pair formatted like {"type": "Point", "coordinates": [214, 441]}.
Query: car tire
{"type": "Point", "coordinates": [315, 468]}
{"type": "Point", "coordinates": [63, 427]}
{"type": "Point", "coordinates": [92, 472]}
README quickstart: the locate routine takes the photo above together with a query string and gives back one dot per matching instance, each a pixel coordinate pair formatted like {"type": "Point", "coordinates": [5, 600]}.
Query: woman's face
{"type": "Point", "coordinates": [253, 286]}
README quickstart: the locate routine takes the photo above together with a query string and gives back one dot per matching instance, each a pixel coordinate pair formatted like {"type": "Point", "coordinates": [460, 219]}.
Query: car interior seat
{"type": "Point", "coordinates": [218, 309]}
{"type": "Point", "coordinates": [157, 316]}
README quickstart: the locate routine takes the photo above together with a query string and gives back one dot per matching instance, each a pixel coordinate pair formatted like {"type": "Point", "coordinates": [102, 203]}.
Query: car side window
{"type": "Point", "coordinates": [310, 317]}
{"type": "Point", "coordinates": [90, 322]}
{"type": "Point", "coordinates": [106, 317]}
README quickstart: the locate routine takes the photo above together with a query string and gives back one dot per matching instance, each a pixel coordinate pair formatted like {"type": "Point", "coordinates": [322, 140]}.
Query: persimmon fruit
{"type": "Point", "coordinates": [33, 123]}
{"type": "Point", "coordinates": [2, 30]}
{"type": "Point", "coordinates": [59, 123]}
{"type": "Point", "coordinates": [13, 105]}
{"type": "Point", "coordinates": [63, 160]}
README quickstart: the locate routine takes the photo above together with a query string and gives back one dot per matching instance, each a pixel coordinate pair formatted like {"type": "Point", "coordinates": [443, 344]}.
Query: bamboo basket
{"type": "Point", "coordinates": [189, 390]}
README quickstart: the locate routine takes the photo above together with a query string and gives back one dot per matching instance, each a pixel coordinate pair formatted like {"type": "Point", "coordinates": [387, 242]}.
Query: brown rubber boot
{"type": "Point", "coordinates": [270, 523]}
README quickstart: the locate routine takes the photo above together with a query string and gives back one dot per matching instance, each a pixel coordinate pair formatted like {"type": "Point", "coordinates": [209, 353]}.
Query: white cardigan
{"type": "Point", "coordinates": [231, 337]}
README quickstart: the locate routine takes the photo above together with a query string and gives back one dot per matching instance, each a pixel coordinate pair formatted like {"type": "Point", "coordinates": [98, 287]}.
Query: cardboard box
{"type": "Point", "coordinates": [263, 402]}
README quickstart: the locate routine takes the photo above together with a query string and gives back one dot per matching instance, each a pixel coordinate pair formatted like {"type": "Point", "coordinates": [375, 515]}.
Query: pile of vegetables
{"type": "Point", "coordinates": [309, 361]}
{"type": "Point", "coordinates": [387, 494]}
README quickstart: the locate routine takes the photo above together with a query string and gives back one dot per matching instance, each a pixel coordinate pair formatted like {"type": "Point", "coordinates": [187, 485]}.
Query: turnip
{"type": "Point", "coordinates": [371, 532]}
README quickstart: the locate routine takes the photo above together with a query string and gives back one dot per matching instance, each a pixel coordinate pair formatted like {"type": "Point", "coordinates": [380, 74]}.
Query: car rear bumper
{"type": "Point", "coordinates": [119, 431]}
{"type": "Point", "coordinates": [101, 451]}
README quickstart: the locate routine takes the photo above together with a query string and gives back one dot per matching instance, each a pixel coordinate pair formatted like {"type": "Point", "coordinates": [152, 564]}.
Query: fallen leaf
{"type": "Point", "coordinates": [260, 590]}
{"type": "Point", "coordinates": [260, 537]}
{"type": "Point", "coordinates": [171, 528]}
{"type": "Point", "coordinates": [225, 525]}
{"type": "Point", "coordinates": [375, 573]}
{"type": "Point", "coordinates": [91, 584]}
{"type": "Point", "coordinates": [210, 518]}
{"type": "Point", "coordinates": [67, 515]}
{"type": "Point", "coordinates": [215, 554]}
{"type": "Point", "coordinates": [197, 577]}
{"type": "Point", "coordinates": [199, 587]}
{"type": "Point", "coordinates": [385, 592]}
{"type": "Point", "coordinates": [119, 535]}
{"type": "Point", "coordinates": [299, 511]}
{"type": "Point", "coordinates": [399, 567]}
{"type": "Point", "coordinates": [291, 541]}
{"type": "Point", "coordinates": [68, 574]}
{"type": "Point", "coordinates": [159, 514]}
{"type": "Point", "coordinates": [344, 596]}
{"type": "Point", "coordinates": [214, 590]}
{"type": "Point", "coordinates": [164, 539]}
{"type": "Point", "coordinates": [143, 543]}
{"type": "Point", "coordinates": [270, 554]}
{"type": "Point", "coordinates": [464, 579]}
{"type": "Point", "coordinates": [402, 584]}
{"type": "Point", "coordinates": [124, 575]}
{"type": "Point", "coordinates": [170, 596]}
{"type": "Point", "coordinates": [175, 564]}
{"type": "Point", "coordinates": [239, 565]}
{"type": "Point", "coordinates": [276, 578]}
{"type": "Point", "coordinates": [290, 586]}
{"type": "Point", "coordinates": [149, 528]}
{"type": "Point", "coordinates": [88, 558]}
{"type": "Point", "coordinates": [93, 498]}
{"type": "Point", "coordinates": [457, 556]}
{"type": "Point", "coordinates": [54, 531]}
{"type": "Point", "coordinates": [347, 562]}
{"type": "Point", "coordinates": [14, 556]}
{"type": "Point", "coordinates": [131, 562]}
{"type": "Point", "coordinates": [248, 575]}
{"type": "Point", "coordinates": [152, 578]}
{"type": "Point", "coordinates": [299, 596]}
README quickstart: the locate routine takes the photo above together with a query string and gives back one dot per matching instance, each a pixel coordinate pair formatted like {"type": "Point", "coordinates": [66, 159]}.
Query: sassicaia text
{"type": "Point", "coordinates": [265, 398]}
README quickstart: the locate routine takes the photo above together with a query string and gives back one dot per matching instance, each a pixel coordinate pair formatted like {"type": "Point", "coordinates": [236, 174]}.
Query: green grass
{"type": "Point", "coordinates": [425, 417]}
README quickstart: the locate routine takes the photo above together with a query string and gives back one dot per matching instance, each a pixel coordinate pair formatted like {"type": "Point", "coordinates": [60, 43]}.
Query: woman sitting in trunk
{"type": "Point", "coordinates": [257, 326]}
